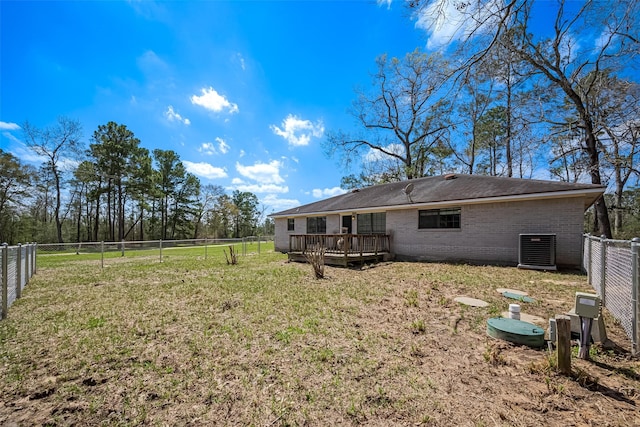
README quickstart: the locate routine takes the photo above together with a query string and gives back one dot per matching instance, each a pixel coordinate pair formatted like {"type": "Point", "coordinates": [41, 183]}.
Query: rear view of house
{"type": "Point", "coordinates": [456, 217]}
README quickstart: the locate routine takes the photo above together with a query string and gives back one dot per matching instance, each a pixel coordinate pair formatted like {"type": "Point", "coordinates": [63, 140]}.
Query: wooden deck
{"type": "Point", "coordinates": [341, 249]}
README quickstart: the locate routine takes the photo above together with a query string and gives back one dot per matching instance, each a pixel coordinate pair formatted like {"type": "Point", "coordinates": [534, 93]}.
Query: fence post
{"type": "Point", "coordinates": [635, 291]}
{"type": "Point", "coordinates": [122, 247]}
{"type": "Point", "coordinates": [19, 271]}
{"type": "Point", "coordinates": [5, 280]}
{"type": "Point", "coordinates": [603, 267]}
{"type": "Point", "coordinates": [102, 253]}
{"type": "Point", "coordinates": [590, 271]}
{"type": "Point", "coordinates": [205, 248]}
{"type": "Point", "coordinates": [160, 250]}
{"type": "Point", "coordinates": [27, 262]}
{"type": "Point", "coordinates": [34, 264]}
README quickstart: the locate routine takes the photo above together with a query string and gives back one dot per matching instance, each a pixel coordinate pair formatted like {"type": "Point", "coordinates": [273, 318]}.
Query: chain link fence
{"type": "Point", "coordinates": [613, 269]}
{"type": "Point", "coordinates": [17, 266]}
{"type": "Point", "coordinates": [156, 248]}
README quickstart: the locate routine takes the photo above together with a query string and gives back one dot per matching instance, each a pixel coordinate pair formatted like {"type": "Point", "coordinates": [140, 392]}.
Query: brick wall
{"type": "Point", "coordinates": [489, 232]}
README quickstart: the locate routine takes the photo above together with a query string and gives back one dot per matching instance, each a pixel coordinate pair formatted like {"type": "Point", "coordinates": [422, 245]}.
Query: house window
{"type": "Point", "coordinates": [372, 223]}
{"type": "Point", "coordinates": [439, 218]}
{"type": "Point", "coordinates": [291, 224]}
{"type": "Point", "coordinates": [317, 225]}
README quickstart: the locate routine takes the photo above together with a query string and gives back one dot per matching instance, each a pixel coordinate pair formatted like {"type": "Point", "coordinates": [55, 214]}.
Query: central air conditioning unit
{"type": "Point", "coordinates": [537, 251]}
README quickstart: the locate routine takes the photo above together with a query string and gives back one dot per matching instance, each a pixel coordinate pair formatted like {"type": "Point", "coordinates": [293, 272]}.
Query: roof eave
{"type": "Point", "coordinates": [589, 194]}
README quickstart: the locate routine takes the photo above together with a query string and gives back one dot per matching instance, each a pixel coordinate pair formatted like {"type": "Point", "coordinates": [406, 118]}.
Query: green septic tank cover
{"type": "Point", "coordinates": [515, 331]}
{"type": "Point", "coordinates": [522, 298]}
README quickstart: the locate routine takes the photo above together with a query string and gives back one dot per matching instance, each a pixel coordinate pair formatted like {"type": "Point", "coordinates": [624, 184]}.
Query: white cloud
{"type": "Point", "coordinates": [240, 59]}
{"type": "Point", "coordinates": [449, 21]}
{"type": "Point", "coordinates": [11, 137]}
{"type": "Point", "coordinates": [68, 164]}
{"type": "Point", "coordinates": [222, 145]}
{"type": "Point", "coordinates": [151, 64]}
{"type": "Point", "coordinates": [385, 2]}
{"type": "Point", "coordinates": [8, 126]}
{"type": "Point", "coordinates": [265, 173]}
{"type": "Point", "coordinates": [377, 155]}
{"type": "Point", "coordinates": [212, 100]}
{"type": "Point", "coordinates": [276, 204]}
{"type": "Point", "coordinates": [568, 48]}
{"type": "Point", "coordinates": [204, 169]}
{"type": "Point", "coordinates": [603, 40]}
{"type": "Point", "coordinates": [25, 154]}
{"type": "Point", "coordinates": [298, 131]}
{"type": "Point", "coordinates": [261, 188]}
{"type": "Point", "coordinates": [207, 148]}
{"type": "Point", "coordinates": [171, 115]}
{"type": "Point", "coordinates": [327, 192]}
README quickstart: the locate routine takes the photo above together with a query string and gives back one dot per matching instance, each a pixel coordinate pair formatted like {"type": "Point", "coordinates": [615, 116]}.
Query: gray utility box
{"type": "Point", "coordinates": [587, 305]}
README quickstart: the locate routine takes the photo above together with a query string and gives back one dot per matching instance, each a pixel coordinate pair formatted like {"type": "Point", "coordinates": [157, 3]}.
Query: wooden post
{"type": "Point", "coordinates": [347, 244]}
{"type": "Point", "coordinates": [563, 324]}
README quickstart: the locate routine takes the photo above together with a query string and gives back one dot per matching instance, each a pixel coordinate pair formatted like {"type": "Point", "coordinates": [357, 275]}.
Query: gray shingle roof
{"type": "Point", "coordinates": [440, 189]}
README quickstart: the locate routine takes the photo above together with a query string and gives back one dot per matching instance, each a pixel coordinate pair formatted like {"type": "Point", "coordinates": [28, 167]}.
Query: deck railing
{"type": "Point", "coordinates": [341, 244]}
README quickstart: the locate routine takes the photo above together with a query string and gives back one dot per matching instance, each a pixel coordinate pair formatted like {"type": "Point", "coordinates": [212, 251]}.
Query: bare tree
{"type": "Point", "coordinates": [402, 118]}
{"type": "Point", "coordinates": [15, 186]}
{"type": "Point", "coordinates": [55, 144]}
{"type": "Point", "coordinates": [616, 105]}
{"type": "Point", "coordinates": [554, 53]}
{"type": "Point", "coordinates": [557, 58]}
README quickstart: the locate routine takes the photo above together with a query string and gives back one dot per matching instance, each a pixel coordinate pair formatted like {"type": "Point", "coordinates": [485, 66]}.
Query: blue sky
{"type": "Point", "coordinates": [243, 91]}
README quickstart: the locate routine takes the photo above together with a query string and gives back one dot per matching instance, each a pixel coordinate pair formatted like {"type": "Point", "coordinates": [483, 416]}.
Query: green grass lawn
{"type": "Point", "coordinates": [196, 341]}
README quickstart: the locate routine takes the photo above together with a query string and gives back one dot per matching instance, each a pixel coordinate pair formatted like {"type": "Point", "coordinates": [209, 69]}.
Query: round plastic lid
{"type": "Point", "coordinates": [515, 331]}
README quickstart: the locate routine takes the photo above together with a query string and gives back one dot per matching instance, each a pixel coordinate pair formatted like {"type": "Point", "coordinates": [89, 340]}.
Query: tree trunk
{"type": "Point", "coordinates": [594, 170]}
{"type": "Point", "coordinates": [96, 225]}
{"type": "Point", "coordinates": [508, 138]}
{"type": "Point", "coordinates": [141, 222]}
{"type": "Point", "coordinates": [57, 209]}
{"type": "Point", "coordinates": [78, 223]}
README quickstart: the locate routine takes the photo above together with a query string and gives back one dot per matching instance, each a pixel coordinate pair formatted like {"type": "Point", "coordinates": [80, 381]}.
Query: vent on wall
{"type": "Point", "coordinates": [537, 251]}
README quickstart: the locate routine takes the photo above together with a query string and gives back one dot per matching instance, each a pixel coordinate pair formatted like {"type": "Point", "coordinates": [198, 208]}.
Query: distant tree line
{"type": "Point", "coordinates": [113, 190]}
{"type": "Point", "coordinates": [501, 100]}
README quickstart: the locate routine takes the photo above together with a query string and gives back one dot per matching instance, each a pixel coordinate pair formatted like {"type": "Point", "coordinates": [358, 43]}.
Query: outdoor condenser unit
{"type": "Point", "coordinates": [537, 251]}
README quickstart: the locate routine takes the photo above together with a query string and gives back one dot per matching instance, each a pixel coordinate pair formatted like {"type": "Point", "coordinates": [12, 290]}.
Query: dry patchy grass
{"type": "Point", "coordinates": [194, 341]}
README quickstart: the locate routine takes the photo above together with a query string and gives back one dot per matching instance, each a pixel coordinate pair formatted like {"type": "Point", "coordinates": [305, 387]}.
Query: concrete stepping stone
{"type": "Point", "coordinates": [473, 302]}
